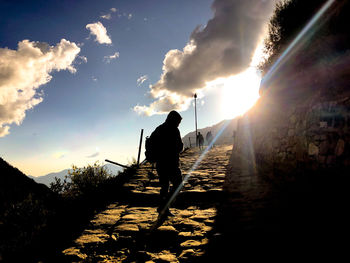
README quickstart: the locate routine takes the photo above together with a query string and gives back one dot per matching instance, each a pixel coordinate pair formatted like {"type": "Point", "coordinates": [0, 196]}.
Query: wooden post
{"type": "Point", "coordinates": [138, 156]}
{"type": "Point", "coordinates": [195, 116]}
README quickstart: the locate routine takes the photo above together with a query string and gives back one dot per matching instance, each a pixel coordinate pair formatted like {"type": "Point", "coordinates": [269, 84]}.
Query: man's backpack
{"type": "Point", "coordinates": [151, 152]}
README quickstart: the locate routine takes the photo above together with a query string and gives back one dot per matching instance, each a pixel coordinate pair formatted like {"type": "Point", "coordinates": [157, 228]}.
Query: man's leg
{"type": "Point", "coordinates": [164, 187]}
{"type": "Point", "coordinates": [175, 179]}
{"type": "Point", "coordinates": [174, 176]}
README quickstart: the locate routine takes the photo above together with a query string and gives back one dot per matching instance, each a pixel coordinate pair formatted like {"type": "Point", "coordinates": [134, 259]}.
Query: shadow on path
{"type": "Point", "coordinates": [258, 218]}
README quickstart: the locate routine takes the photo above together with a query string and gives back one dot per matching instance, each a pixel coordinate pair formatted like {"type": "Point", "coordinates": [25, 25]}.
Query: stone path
{"type": "Point", "coordinates": [121, 233]}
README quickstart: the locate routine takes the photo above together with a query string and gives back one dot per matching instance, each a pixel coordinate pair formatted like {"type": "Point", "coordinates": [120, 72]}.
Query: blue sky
{"type": "Point", "coordinates": [87, 113]}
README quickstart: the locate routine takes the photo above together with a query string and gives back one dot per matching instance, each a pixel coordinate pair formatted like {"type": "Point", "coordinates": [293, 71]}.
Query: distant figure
{"type": "Point", "coordinates": [200, 140]}
{"type": "Point", "coordinates": [168, 146]}
{"type": "Point", "coordinates": [209, 137]}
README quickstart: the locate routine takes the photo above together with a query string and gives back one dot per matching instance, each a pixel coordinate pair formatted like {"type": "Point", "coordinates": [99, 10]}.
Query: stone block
{"type": "Point", "coordinates": [191, 243]}
{"type": "Point", "coordinates": [322, 159]}
{"type": "Point", "coordinates": [290, 157]}
{"type": "Point", "coordinates": [339, 149]}
{"type": "Point", "coordinates": [323, 137]}
{"type": "Point", "coordinates": [330, 159]}
{"type": "Point", "coordinates": [313, 150]}
{"type": "Point", "coordinates": [299, 154]}
{"type": "Point", "coordinates": [281, 156]}
{"type": "Point", "coordinates": [324, 148]}
{"type": "Point", "coordinates": [284, 142]}
{"type": "Point", "coordinates": [276, 144]}
{"type": "Point", "coordinates": [284, 132]}
{"type": "Point", "coordinates": [292, 119]}
{"type": "Point", "coordinates": [292, 141]}
{"type": "Point", "coordinates": [323, 124]}
{"type": "Point", "coordinates": [185, 254]}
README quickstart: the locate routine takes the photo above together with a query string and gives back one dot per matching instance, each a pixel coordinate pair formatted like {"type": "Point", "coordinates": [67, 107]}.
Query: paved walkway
{"type": "Point", "coordinates": [121, 233]}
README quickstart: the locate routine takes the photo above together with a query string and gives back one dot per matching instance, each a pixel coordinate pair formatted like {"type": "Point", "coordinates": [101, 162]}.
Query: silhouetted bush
{"type": "Point", "coordinates": [81, 181]}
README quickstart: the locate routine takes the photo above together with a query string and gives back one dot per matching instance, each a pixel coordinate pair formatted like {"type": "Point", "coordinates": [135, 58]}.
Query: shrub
{"type": "Point", "coordinates": [81, 181]}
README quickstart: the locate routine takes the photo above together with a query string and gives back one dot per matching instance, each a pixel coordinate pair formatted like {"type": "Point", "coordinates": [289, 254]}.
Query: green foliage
{"type": "Point", "coordinates": [81, 181]}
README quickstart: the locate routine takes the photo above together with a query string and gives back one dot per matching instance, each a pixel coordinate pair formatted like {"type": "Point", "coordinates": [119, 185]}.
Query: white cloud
{"type": "Point", "coordinates": [97, 29]}
{"type": "Point", "coordinates": [95, 154]}
{"type": "Point", "coordinates": [59, 155]}
{"type": "Point", "coordinates": [141, 80]}
{"type": "Point", "coordinates": [24, 70]}
{"type": "Point", "coordinates": [165, 103]}
{"type": "Point", "coordinates": [107, 16]}
{"type": "Point", "coordinates": [222, 48]}
{"type": "Point", "coordinates": [129, 16]}
{"type": "Point", "coordinates": [111, 57]}
{"type": "Point", "coordinates": [4, 131]}
{"type": "Point", "coordinates": [81, 59]}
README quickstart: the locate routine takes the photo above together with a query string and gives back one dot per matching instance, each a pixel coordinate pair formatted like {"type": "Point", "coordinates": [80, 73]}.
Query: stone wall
{"type": "Point", "coordinates": [287, 138]}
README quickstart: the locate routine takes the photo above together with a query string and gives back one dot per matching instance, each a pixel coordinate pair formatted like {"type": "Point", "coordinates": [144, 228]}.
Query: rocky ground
{"type": "Point", "coordinates": [127, 231]}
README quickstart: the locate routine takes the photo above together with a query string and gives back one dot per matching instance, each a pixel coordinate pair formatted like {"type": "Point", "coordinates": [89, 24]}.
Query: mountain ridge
{"type": "Point", "coordinates": [50, 177]}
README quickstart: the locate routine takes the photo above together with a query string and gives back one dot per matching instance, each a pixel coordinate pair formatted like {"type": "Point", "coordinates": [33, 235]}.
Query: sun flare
{"type": "Point", "coordinates": [239, 93]}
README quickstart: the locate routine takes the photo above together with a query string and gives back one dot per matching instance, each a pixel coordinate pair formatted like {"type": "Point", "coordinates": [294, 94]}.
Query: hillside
{"type": "Point", "coordinates": [26, 208]}
{"type": "Point", "coordinates": [226, 136]}
{"type": "Point", "coordinates": [32, 215]}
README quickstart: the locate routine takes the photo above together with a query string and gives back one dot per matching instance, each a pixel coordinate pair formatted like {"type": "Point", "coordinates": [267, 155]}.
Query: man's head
{"type": "Point", "coordinates": [173, 118]}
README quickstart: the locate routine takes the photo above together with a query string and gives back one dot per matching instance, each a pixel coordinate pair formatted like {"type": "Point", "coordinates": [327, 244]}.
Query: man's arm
{"type": "Point", "coordinates": [179, 143]}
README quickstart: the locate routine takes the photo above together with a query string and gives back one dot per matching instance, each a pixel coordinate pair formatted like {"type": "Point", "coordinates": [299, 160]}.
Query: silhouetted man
{"type": "Point", "coordinates": [200, 140]}
{"type": "Point", "coordinates": [168, 147]}
{"type": "Point", "coordinates": [209, 137]}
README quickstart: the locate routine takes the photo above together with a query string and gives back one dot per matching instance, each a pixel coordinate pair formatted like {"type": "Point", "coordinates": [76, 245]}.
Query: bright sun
{"type": "Point", "coordinates": [239, 93]}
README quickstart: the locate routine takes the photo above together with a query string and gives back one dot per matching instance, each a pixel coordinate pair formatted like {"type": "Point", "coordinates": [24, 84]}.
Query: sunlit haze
{"type": "Point", "coordinates": [239, 93]}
